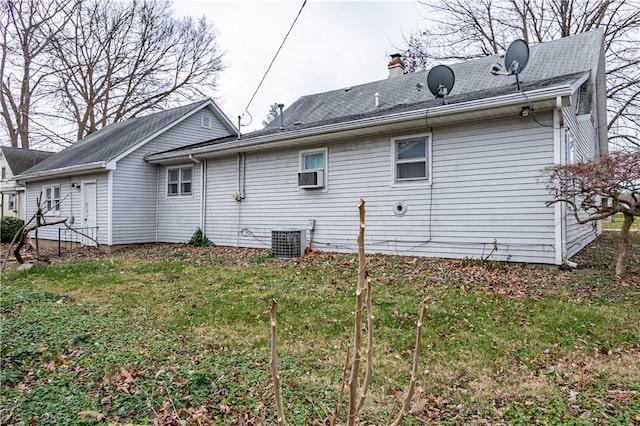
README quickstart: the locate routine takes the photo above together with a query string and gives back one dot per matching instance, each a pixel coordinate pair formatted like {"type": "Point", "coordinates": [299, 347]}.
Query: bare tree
{"type": "Point", "coordinates": [599, 188]}
{"type": "Point", "coordinates": [26, 34]}
{"type": "Point", "coordinates": [116, 60]}
{"type": "Point", "coordinates": [274, 112]}
{"type": "Point", "coordinates": [463, 29]}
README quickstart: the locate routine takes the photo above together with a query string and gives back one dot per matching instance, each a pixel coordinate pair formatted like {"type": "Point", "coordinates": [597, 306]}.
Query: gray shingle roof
{"type": "Point", "coordinates": [20, 159]}
{"type": "Point", "coordinates": [547, 60]}
{"type": "Point", "coordinates": [113, 140]}
{"type": "Point", "coordinates": [399, 108]}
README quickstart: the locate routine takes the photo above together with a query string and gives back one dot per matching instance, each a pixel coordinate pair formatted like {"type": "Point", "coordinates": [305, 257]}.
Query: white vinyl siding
{"type": "Point", "coordinates": [179, 217]}
{"type": "Point", "coordinates": [581, 143]}
{"type": "Point", "coordinates": [484, 188]}
{"type": "Point", "coordinates": [137, 217]}
{"type": "Point", "coordinates": [71, 206]}
{"type": "Point", "coordinates": [223, 214]}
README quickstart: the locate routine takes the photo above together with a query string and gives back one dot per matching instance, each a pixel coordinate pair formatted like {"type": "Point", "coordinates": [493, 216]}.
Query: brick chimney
{"type": "Point", "coordinates": [396, 66]}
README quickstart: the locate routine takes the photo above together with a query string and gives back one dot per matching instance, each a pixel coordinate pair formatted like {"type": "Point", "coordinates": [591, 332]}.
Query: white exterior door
{"type": "Point", "coordinates": [89, 219]}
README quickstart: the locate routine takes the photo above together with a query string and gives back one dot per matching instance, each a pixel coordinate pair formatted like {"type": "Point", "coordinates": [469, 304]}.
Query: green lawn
{"type": "Point", "coordinates": [166, 333]}
{"type": "Point", "coordinates": [616, 222]}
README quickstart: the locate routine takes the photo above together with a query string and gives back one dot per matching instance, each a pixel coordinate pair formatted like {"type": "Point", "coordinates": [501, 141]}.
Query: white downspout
{"type": "Point", "coordinates": [195, 160]}
{"type": "Point", "coordinates": [110, 208]}
{"type": "Point", "coordinates": [559, 208]}
{"type": "Point", "coordinates": [157, 199]}
{"type": "Point", "coordinates": [203, 197]}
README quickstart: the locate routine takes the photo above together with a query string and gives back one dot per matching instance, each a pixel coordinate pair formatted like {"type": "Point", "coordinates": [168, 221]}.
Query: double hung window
{"type": "Point", "coordinates": [411, 158]}
{"type": "Point", "coordinates": [179, 181]}
{"type": "Point", "coordinates": [51, 199]}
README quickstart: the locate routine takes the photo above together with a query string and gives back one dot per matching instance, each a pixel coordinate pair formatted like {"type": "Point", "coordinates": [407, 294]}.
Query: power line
{"type": "Point", "coordinates": [246, 110]}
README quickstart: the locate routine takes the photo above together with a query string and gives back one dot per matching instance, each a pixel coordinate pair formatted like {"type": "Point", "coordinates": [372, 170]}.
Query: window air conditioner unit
{"type": "Point", "coordinates": [288, 243]}
{"type": "Point", "coordinates": [307, 180]}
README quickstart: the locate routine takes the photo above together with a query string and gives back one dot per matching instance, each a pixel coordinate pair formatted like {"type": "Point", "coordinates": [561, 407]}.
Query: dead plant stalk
{"type": "Point", "coordinates": [357, 329]}
{"type": "Point", "coordinates": [273, 362]}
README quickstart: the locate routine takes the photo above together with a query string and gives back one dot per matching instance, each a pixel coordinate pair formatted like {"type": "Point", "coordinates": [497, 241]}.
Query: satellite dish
{"type": "Point", "coordinates": [516, 58]}
{"type": "Point", "coordinates": [440, 81]}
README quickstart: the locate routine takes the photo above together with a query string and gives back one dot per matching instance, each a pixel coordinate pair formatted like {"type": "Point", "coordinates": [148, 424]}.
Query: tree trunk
{"type": "Point", "coordinates": [623, 249]}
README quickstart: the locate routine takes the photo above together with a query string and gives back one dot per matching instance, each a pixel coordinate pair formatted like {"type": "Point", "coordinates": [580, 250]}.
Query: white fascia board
{"type": "Point", "coordinates": [63, 171]}
{"type": "Point", "coordinates": [12, 188]}
{"type": "Point", "coordinates": [579, 82]}
{"type": "Point", "coordinates": [433, 112]}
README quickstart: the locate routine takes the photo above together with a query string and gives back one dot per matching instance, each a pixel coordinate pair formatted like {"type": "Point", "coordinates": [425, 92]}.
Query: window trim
{"type": "Point", "coordinates": [325, 154]}
{"type": "Point", "coordinates": [48, 201]}
{"type": "Point", "coordinates": [179, 182]}
{"type": "Point", "coordinates": [427, 180]}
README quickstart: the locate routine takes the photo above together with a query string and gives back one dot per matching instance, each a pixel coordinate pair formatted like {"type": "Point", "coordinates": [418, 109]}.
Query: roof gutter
{"type": "Point", "coordinates": [65, 171]}
{"type": "Point", "coordinates": [354, 128]}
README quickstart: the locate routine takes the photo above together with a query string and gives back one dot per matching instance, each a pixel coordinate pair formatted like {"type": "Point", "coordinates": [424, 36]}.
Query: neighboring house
{"type": "Point", "coordinates": [14, 161]}
{"type": "Point", "coordinates": [105, 188]}
{"type": "Point", "coordinates": [447, 180]}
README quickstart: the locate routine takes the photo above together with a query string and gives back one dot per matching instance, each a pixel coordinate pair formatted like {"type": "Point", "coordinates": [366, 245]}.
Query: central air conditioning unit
{"type": "Point", "coordinates": [308, 180]}
{"type": "Point", "coordinates": [288, 243]}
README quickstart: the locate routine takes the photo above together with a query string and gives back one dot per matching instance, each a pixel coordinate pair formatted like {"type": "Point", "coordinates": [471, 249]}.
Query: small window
{"type": "Point", "coordinates": [51, 199]}
{"type": "Point", "coordinates": [313, 161]}
{"type": "Point", "coordinates": [411, 159]}
{"type": "Point", "coordinates": [11, 202]}
{"type": "Point", "coordinates": [179, 181]}
{"type": "Point", "coordinates": [313, 164]}
{"type": "Point", "coordinates": [4, 173]}
{"type": "Point", "coordinates": [206, 122]}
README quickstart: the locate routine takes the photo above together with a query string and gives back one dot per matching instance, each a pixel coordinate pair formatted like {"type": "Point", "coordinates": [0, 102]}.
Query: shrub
{"type": "Point", "coordinates": [9, 228]}
{"type": "Point", "coordinates": [198, 239]}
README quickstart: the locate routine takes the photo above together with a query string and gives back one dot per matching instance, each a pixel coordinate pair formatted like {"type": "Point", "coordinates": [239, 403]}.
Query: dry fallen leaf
{"type": "Point", "coordinates": [90, 414]}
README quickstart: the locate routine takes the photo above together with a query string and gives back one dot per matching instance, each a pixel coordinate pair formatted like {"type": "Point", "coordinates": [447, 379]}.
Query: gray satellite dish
{"type": "Point", "coordinates": [440, 81]}
{"type": "Point", "coordinates": [516, 58]}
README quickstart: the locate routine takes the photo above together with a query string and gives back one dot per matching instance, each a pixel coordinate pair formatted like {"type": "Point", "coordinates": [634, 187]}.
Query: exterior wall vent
{"type": "Point", "coordinates": [288, 243]}
{"type": "Point", "coordinates": [314, 179]}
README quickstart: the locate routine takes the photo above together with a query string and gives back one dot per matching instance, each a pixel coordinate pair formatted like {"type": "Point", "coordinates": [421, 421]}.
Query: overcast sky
{"type": "Point", "coordinates": [334, 44]}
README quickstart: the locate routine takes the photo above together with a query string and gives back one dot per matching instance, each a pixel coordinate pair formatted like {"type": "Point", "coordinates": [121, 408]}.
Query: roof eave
{"type": "Point", "coordinates": [440, 115]}
{"type": "Point", "coordinates": [63, 171]}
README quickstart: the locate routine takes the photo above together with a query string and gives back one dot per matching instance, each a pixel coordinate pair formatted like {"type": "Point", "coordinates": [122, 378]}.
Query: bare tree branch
{"type": "Point", "coordinates": [27, 29]}
{"type": "Point", "coordinates": [406, 404]}
{"type": "Point", "coordinates": [97, 62]}
{"type": "Point", "coordinates": [465, 29]}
